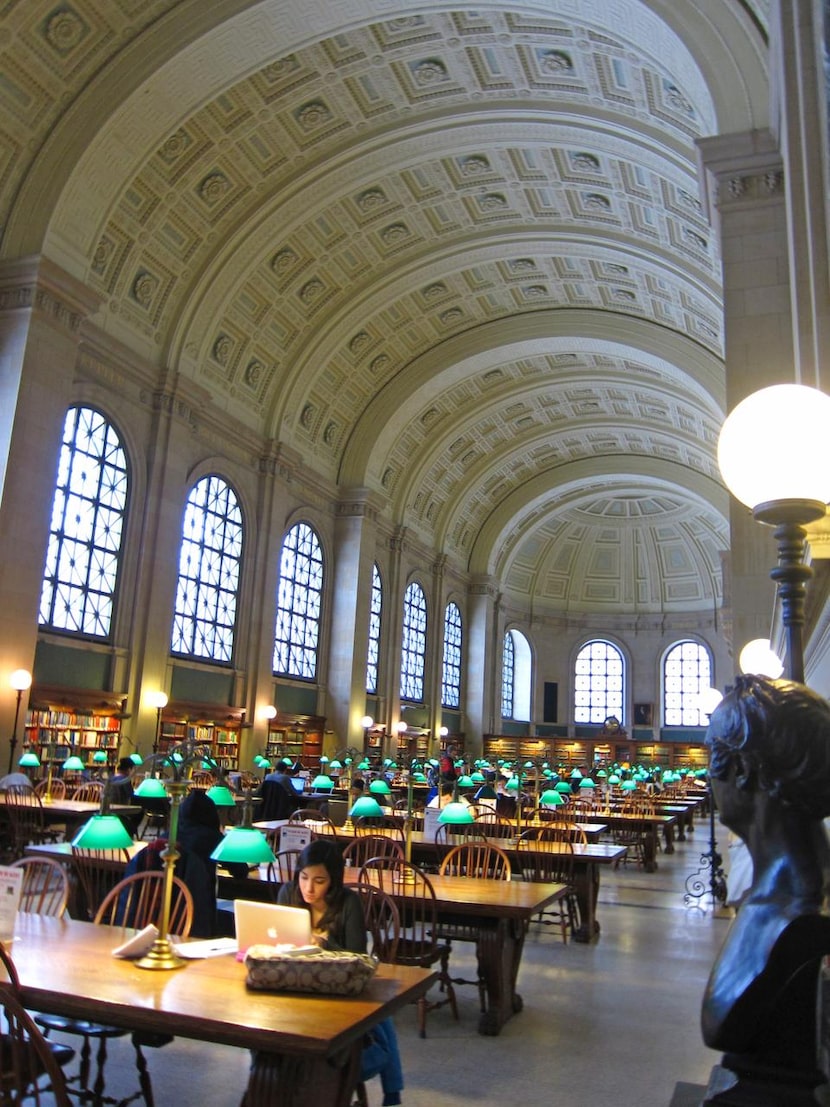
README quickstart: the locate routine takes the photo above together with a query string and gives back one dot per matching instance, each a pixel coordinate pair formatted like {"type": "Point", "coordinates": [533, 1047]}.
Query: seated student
{"type": "Point", "coordinates": [337, 923]}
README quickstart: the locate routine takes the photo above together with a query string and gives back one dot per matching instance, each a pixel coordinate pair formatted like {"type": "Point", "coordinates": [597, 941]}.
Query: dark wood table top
{"type": "Point", "coordinates": [66, 967]}
{"type": "Point", "coordinates": [469, 895]}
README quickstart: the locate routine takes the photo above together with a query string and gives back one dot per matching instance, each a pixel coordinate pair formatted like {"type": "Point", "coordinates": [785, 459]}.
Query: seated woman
{"type": "Point", "coordinates": [770, 777]}
{"type": "Point", "coordinates": [337, 923]}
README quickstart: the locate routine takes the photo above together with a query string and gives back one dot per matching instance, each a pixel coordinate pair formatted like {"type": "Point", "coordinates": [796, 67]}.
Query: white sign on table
{"type": "Point", "coordinates": [11, 885]}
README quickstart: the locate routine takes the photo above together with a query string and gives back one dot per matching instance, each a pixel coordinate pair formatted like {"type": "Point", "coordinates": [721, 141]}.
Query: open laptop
{"type": "Point", "coordinates": [270, 924]}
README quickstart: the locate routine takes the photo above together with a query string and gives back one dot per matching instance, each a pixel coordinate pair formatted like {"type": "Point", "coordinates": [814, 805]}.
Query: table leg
{"type": "Point", "coordinates": [292, 1080]}
{"type": "Point", "coordinates": [586, 883]}
{"type": "Point", "coordinates": [668, 837]}
{"type": "Point", "coordinates": [499, 952]}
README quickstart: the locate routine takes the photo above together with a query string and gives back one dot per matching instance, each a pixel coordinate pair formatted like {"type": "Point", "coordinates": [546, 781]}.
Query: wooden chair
{"type": "Point", "coordinates": [26, 824]}
{"type": "Point", "coordinates": [135, 901]}
{"type": "Point", "coordinates": [319, 824]}
{"type": "Point", "coordinates": [451, 834]}
{"type": "Point", "coordinates": [27, 1058]}
{"type": "Point", "coordinates": [366, 846]}
{"type": "Point", "coordinates": [371, 824]}
{"type": "Point", "coordinates": [57, 789]}
{"type": "Point", "coordinates": [495, 825]}
{"type": "Point", "coordinates": [383, 924]}
{"type": "Point", "coordinates": [546, 856]}
{"type": "Point", "coordinates": [97, 871]}
{"type": "Point", "coordinates": [418, 944]}
{"type": "Point", "coordinates": [45, 888]}
{"type": "Point", "coordinates": [89, 791]}
{"type": "Point", "coordinates": [474, 858]}
{"type": "Point", "coordinates": [281, 870]}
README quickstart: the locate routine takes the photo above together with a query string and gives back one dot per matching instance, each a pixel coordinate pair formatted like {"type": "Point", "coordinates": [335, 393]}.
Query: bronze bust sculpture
{"type": "Point", "coordinates": [770, 776]}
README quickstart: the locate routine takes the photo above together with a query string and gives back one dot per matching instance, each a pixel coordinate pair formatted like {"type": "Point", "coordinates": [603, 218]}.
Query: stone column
{"type": "Point", "coordinates": [483, 671]}
{"type": "Point", "coordinates": [41, 313]}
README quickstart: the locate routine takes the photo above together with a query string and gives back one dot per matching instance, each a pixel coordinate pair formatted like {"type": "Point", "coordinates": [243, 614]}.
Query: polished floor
{"type": "Point", "coordinates": [614, 1024]}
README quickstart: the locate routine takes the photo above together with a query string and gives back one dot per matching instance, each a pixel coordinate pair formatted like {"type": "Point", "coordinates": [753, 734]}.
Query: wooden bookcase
{"type": "Point", "coordinates": [213, 727]}
{"type": "Point", "coordinates": [61, 722]}
{"type": "Point", "coordinates": [579, 752]}
{"type": "Point", "coordinates": [299, 737]}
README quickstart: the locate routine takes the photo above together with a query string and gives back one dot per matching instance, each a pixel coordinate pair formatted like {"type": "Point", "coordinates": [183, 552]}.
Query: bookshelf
{"type": "Point", "coordinates": [299, 737]}
{"type": "Point", "coordinates": [574, 753]}
{"type": "Point", "coordinates": [213, 727]}
{"type": "Point", "coordinates": [60, 723]}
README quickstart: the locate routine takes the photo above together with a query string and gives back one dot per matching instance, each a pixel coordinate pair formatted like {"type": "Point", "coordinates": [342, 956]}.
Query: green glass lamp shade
{"type": "Point", "coordinates": [466, 782]}
{"type": "Point", "coordinates": [564, 788]}
{"type": "Point", "coordinates": [478, 777]}
{"type": "Point", "coordinates": [576, 775]}
{"type": "Point", "coordinates": [243, 844]}
{"type": "Point", "coordinates": [434, 762]}
{"type": "Point", "coordinates": [551, 798]}
{"type": "Point", "coordinates": [151, 788]}
{"type": "Point", "coordinates": [613, 779]}
{"type": "Point", "coordinates": [99, 756]}
{"type": "Point", "coordinates": [175, 758]}
{"type": "Point", "coordinates": [265, 765]}
{"type": "Point", "coordinates": [221, 795]}
{"type": "Point", "coordinates": [364, 764]}
{"type": "Point", "coordinates": [587, 783]}
{"type": "Point", "coordinates": [324, 760]}
{"type": "Point", "coordinates": [419, 778]}
{"type": "Point", "coordinates": [602, 774]}
{"type": "Point", "coordinates": [322, 783]}
{"type": "Point", "coordinates": [456, 814]}
{"type": "Point", "coordinates": [29, 760]}
{"type": "Point", "coordinates": [102, 832]}
{"type": "Point", "coordinates": [380, 788]}
{"type": "Point", "coordinates": [366, 807]}
{"type": "Point", "coordinates": [528, 765]}
{"type": "Point", "coordinates": [486, 792]}
{"type": "Point", "coordinates": [629, 786]}
{"type": "Point", "coordinates": [73, 764]}
{"type": "Point", "coordinates": [335, 764]}
{"type": "Point", "coordinates": [547, 773]}
{"type": "Point", "coordinates": [136, 759]}
{"type": "Point", "coordinates": [348, 761]}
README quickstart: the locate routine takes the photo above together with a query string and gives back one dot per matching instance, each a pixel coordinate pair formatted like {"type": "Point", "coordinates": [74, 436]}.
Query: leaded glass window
{"type": "Point", "coordinates": [375, 610]}
{"type": "Point", "coordinates": [414, 643]}
{"type": "Point", "coordinates": [299, 604]}
{"type": "Point", "coordinates": [209, 562]}
{"type": "Point", "coordinates": [599, 683]}
{"type": "Point", "coordinates": [508, 673]}
{"type": "Point", "coordinates": [687, 672]}
{"type": "Point", "coordinates": [88, 513]}
{"type": "Point", "coordinates": [451, 670]}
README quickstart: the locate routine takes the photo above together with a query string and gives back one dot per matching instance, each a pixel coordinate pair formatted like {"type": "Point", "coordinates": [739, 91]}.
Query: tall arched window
{"type": "Point", "coordinates": [88, 512]}
{"type": "Point", "coordinates": [687, 671]}
{"type": "Point", "coordinates": [451, 669]}
{"type": "Point", "coordinates": [413, 643]}
{"type": "Point", "coordinates": [375, 612]}
{"type": "Point", "coordinates": [299, 604]}
{"type": "Point", "coordinates": [599, 683]}
{"type": "Point", "coordinates": [516, 676]}
{"type": "Point", "coordinates": [210, 556]}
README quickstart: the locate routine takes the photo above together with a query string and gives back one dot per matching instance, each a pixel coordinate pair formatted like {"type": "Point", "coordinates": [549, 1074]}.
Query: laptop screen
{"type": "Point", "coordinates": [297, 783]}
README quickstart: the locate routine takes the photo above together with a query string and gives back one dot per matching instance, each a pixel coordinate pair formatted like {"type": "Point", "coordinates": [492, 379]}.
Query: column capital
{"type": "Point", "coordinates": [37, 284]}
{"type": "Point", "coordinates": [738, 170]}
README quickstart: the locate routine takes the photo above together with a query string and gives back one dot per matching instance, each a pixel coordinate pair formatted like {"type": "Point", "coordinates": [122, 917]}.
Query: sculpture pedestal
{"type": "Point", "coordinates": [763, 1088]}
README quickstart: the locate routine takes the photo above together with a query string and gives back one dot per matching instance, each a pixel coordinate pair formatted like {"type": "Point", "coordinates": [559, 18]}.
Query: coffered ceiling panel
{"type": "Point", "coordinates": [454, 255]}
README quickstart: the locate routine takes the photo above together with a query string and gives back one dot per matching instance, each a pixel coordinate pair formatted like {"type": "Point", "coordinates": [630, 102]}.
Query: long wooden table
{"type": "Point", "coordinates": [307, 1046]}
{"type": "Point", "coordinates": [75, 812]}
{"type": "Point", "coordinates": [502, 910]}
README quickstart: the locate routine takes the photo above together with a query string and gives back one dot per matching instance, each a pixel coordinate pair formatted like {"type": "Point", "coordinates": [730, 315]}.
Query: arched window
{"type": "Point", "coordinates": [375, 611]}
{"type": "Point", "coordinates": [451, 669]}
{"type": "Point", "coordinates": [210, 556]}
{"type": "Point", "coordinates": [88, 512]}
{"type": "Point", "coordinates": [516, 676]}
{"type": "Point", "coordinates": [413, 643]}
{"type": "Point", "coordinates": [687, 671]}
{"type": "Point", "coordinates": [599, 683]}
{"type": "Point", "coordinates": [299, 604]}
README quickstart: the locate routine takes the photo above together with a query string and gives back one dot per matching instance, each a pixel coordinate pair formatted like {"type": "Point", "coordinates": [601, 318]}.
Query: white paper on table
{"type": "Point", "coordinates": [205, 947]}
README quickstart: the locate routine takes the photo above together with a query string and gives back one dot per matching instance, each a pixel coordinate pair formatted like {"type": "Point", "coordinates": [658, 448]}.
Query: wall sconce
{"type": "Point", "coordinates": [772, 454]}
{"type": "Point", "coordinates": [20, 680]}
{"type": "Point", "coordinates": [159, 701]}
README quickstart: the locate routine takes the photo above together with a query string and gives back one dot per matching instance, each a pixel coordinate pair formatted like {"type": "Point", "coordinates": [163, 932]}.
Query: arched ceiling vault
{"type": "Point", "coordinates": [454, 253]}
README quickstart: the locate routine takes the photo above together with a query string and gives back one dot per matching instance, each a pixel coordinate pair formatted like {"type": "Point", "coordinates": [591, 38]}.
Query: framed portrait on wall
{"type": "Point", "coordinates": [643, 714]}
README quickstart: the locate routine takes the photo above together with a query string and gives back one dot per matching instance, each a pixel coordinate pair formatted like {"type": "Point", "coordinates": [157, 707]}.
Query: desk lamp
{"type": "Point", "coordinates": [103, 831]}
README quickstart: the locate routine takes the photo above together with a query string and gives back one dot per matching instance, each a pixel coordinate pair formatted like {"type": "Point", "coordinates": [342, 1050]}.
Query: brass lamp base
{"type": "Point", "coordinates": [161, 957]}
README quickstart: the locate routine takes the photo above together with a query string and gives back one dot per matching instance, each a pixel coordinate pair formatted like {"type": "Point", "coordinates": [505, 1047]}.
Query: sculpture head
{"type": "Point", "coordinates": [771, 737]}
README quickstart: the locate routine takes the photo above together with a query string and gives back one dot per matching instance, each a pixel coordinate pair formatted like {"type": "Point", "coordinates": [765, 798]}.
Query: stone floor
{"type": "Point", "coordinates": [614, 1024]}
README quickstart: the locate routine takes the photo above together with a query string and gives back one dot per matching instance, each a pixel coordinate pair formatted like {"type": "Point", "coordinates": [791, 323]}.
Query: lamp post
{"type": "Point", "coordinates": [159, 701]}
{"type": "Point", "coordinates": [772, 454]}
{"type": "Point", "coordinates": [20, 680]}
{"type": "Point", "coordinates": [367, 722]}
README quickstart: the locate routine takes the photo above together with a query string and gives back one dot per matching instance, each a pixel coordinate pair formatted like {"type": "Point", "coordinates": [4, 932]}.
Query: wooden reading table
{"type": "Point", "coordinates": [308, 1046]}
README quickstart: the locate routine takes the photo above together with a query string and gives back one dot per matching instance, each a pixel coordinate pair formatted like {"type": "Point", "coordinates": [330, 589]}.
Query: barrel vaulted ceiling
{"type": "Point", "coordinates": [455, 255]}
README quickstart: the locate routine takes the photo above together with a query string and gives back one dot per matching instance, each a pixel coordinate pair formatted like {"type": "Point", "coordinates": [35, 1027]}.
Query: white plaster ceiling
{"type": "Point", "coordinates": [452, 254]}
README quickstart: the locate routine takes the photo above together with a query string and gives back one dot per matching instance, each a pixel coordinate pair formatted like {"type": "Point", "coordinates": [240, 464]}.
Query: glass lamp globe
{"type": "Point", "coordinates": [759, 657]}
{"type": "Point", "coordinates": [773, 446]}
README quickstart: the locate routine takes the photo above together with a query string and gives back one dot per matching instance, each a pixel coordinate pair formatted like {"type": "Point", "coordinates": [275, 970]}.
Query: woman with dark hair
{"type": "Point", "coordinates": [770, 777]}
{"type": "Point", "coordinates": [337, 923]}
{"type": "Point", "coordinates": [336, 914]}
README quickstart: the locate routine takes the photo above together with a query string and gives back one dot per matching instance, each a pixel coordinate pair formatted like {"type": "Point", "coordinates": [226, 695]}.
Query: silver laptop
{"type": "Point", "coordinates": [270, 924]}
